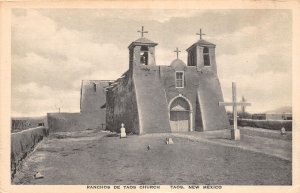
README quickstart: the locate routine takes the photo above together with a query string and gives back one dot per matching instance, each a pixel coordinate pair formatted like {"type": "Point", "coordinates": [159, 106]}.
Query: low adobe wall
{"type": "Point", "coordinates": [266, 133]}
{"type": "Point", "coordinates": [265, 124]}
{"type": "Point", "coordinates": [63, 121]}
{"type": "Point", "coordinates": [22, 143]}
{"type": "Point", "coordinates": [74, 121]}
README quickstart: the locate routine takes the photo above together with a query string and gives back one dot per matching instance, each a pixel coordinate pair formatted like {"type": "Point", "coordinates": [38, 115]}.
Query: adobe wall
{"type": "Point", "coordinates": [22, 143]}
{"type": "Point", "coordinates": [155, 88]}
{"type": "Point", "coordinates": [110, 110]}
{"type": "Point", "coordinates": [209, 95]}
{"type": "Point", "coordinates": [93, 95]}
{"type": "Point", "coordinates": [203, 90]}
{"type": "Point", "coordinates": [189, 91]}
{"type": "Point", "coordinates": [142, 102]}
{"type": "Point", "coordinates": [198, 117]}
{"type": "Point", "coordinates": [63, 122]}
{"type": "Point", "coordinates": [58, 122]}
{"type": "Point", "coordinates": [151, 100]}
{"type": "Point", "coordinates": [92, 98]}
{"type": "Point", "coordinates": [121, 106]}
{"type": "Point", "coordinates": [267, 133]}
{"type": "Point", "coordinates": [91, 116]}
{"type": "Point", "coordinates": [265, 124]}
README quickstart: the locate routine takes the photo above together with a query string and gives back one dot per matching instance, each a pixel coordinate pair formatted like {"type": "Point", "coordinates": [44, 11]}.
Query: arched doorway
{"type": "Point", "coordinates": [180, 111]}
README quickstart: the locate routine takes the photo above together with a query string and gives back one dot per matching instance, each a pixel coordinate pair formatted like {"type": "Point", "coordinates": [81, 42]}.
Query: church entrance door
{"type": "Point", "coordinates": [180, 115]}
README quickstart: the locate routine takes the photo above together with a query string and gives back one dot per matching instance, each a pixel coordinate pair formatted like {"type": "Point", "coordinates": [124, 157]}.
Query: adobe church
{"type": "Point", "coordinates": [151, 98]}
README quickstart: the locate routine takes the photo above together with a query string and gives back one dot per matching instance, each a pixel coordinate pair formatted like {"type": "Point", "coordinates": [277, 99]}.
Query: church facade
{"type": "Point", "coordinates": [151, 98]}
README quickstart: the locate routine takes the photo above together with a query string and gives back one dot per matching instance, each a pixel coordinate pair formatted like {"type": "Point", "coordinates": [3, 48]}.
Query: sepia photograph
{"type": "Point", "coordinates": [137, 98]}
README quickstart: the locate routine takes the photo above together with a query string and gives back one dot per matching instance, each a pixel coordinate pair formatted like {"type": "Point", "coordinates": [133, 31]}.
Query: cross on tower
{"type": "Point", "coordinates": [142, 32]}
{"type": "Point", "coordinates": [235, 133]}
{"type": "Point", "coordinates": [200, 34]}
{"type": "Point", "coordinates": [177, 51]}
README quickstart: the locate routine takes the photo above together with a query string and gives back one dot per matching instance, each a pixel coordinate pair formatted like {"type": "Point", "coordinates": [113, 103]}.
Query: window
{"type": "Point", "coordinates": [206, 56]}
{"type": "Point", "coordinates": [144, 55]}
{"type": "Point", "coordinates": [179, 80]}
{"type": "Point", "coordinates": [192, 58]}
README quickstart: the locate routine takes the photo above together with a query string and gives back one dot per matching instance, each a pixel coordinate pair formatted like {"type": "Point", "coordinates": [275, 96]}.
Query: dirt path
{"type": "Point", "coordinates": [92, 158]}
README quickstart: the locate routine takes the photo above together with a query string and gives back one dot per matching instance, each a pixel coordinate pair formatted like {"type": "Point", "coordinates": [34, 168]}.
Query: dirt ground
{"type": "Point", "coordinates": [92, 157]}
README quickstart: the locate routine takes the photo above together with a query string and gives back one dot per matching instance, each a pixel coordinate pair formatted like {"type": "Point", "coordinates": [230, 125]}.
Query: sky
{"type": "Point", "coordinates": [53, 50]}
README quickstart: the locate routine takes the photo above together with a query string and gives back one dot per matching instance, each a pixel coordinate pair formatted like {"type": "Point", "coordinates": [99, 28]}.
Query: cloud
{"type": "Point", "coordinates": [265, 90]}
{"type": "Point", "coordinates": [32, 99]}
{"type": "Point", "coordinates": [274, 63]}
{"type": "Point", "coordinates": [54, 49]}
{"type": "Point", "coordinates": [34, 67]}
{"type": "Point", "coordinates": [160, 15]}
{"type": "Point", "coordinates": [55, 55]}
{"type": "Point", "coordinates": [53, 42]}
{"type": "Point", "coordinates": [263, 76]}
{"type": "Point", "coordinates": [51, 60]}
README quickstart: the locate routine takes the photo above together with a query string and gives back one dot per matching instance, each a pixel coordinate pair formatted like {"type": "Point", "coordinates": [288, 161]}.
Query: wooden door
{"type": "Point", "coordinates": [179, 121]}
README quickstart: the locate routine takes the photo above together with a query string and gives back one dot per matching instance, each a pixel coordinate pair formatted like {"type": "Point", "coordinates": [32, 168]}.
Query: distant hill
{"type": "Point", "coordinates": [285, 109]}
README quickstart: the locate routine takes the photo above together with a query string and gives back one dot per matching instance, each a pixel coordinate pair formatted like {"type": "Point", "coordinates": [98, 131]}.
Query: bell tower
{"type": "Point", "coordinates": [142, 51]}
{"type": "Point", "coordinates": [202, 54]}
